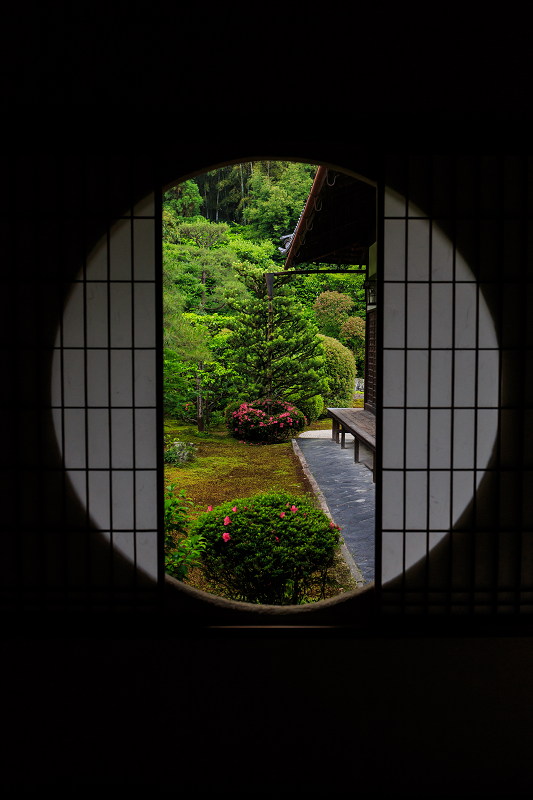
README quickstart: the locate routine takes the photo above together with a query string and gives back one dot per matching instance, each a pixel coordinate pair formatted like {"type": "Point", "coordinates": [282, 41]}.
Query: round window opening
{"type": "Point", "coordinates": [238, 382]}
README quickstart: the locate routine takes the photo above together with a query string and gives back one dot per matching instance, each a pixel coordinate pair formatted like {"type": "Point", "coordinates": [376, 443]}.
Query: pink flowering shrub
{"type": "Point", "coordinates": [267, 548]}
{"type": "Point", "coordinates": [253, 422]}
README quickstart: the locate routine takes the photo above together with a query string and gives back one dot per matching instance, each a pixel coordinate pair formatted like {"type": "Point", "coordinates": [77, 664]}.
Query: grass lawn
{"type": "Point", "coordinates": [226, 470]}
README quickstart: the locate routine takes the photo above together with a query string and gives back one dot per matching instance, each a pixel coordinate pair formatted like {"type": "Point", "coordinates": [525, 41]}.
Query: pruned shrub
{"type": "Point", "coordinates": [340, 371]}
{"type": "Point", "coordinates": [256, 422]}
{"type": "Point", "coordinates": [311, 407]}
{"type": "Point", "coordinates": [266, 548]}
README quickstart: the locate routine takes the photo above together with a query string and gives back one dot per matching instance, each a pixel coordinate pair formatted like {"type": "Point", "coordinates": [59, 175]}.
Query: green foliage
{"type": "Point", "coordinates": [309, 287]}
{"type": "Point", "coordinates": [310, 407]}
{"type": "Point", "coordinates": [219, 381]}
{"type": "Point", "coordinates": [262, 199]}
{"type": "Point", "coordinates": [177, 452]}
{"type": "Point", "coordinates": [277, 354]}
{"type": "Point", "coordinates": [265, 548]}
{"type": "Point", "coordinates": [182, 201]}
{"type": "Point", "coordinates": [178, 395]}
{"type": "Point", "coordinates": [352, 334]}
{"type": "Point", "coordinates": [341, 372]}
{"type": "Point", "coordinates": [214, 265]}
{"type": "Point", "coordinates": [265, 421]}
{"type": "Point", "coordinates": [276, 202]}
{"type": "Point", "coordinates": [180, 554]}
{"type": "Point", "coordinates": [331, 311]}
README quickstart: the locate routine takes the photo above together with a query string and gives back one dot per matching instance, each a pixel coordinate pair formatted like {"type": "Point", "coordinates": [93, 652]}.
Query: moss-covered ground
{"type": "Point", "coordinates": [225, 469]}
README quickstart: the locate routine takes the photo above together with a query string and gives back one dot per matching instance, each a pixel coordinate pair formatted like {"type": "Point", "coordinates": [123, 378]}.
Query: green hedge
{"type": "Point", "coordinates": [341, 371]}
{"type": "Point", "coordinates": [311, 407]}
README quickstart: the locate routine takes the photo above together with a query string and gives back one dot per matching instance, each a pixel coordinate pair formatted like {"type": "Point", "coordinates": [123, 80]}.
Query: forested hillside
{"type": "Point", "coordinates": [221, 233]}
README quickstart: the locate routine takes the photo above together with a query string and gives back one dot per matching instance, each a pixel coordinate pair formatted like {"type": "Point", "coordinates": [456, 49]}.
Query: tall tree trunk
{"type": "Point", "coordinates": [269, 364]}
{"type": "Point", "coordinates": [242, 191]}
{"type": "Point", "coordinates": [199, 399]}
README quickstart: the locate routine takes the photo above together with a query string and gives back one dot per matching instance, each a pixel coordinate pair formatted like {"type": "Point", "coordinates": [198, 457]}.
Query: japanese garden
{"type": "Point", "coordinates": [244, 373]}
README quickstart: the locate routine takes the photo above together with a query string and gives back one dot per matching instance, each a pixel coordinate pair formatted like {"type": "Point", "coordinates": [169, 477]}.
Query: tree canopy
{"type": "Point", "coordinates": [221, 233]}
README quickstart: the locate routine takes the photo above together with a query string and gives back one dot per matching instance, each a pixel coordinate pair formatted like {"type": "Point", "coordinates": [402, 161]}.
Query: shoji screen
{"type": "Point", "coordinates": [456, 386]}
{"type": "Point", "coordinates": [80, 504]}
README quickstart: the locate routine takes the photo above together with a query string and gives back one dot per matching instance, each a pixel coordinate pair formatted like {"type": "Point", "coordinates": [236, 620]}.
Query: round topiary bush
{"type": "Point", "coordinates": [340, 371]}
{"type": "Point", "coordinates": [311, 407]}
{"type": "Point", "coordinates": [255, 422]}
{"type": "Point", "coordinates": [265, 549]}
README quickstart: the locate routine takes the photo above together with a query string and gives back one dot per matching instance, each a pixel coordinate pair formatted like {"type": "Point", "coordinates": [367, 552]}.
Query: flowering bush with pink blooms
{"type": "Point", "coordinates": [257, 422]}
{"type": "Point", "coordinates": [268, 548]}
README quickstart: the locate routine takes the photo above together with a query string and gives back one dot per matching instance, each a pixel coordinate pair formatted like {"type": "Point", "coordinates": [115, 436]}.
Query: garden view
{"type": "Point", "coordinates": [242, 377]}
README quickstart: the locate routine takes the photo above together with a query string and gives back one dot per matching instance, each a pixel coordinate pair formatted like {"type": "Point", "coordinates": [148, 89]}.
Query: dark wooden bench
{"type": "Point", "coordinates": [360, 423]}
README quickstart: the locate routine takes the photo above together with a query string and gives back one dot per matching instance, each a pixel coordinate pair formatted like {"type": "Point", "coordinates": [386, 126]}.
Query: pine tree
{"type": "Point", "coordinates": [276, 347]}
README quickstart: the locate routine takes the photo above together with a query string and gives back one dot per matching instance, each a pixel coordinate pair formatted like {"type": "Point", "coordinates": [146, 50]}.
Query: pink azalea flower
{"type": "Point", "coordinates": [294, 509]}
{"type": "Point", "coordinates": [234, 508]}
{"type": "Point", "coordinates": [277, 540]}
{"type": "Point", "coordinates": [226, 537]}
{"type": "Point", "coordinates": [331, 524]}
{"type": "Point", "coordinates": [209, 508]}
{"type": "Point", "coordinates": [282, 514]}
{"type": "Point", "coordinates": [227, 521]}
{"type": "Point", "coordinates": [281, 424]}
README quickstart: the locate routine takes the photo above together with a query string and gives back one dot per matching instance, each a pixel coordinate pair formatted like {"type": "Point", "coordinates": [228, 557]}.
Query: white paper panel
{"type": "Point", "coordinates": [98, 438]}
{"type": "Point", "coordinates": [393, 380]}
{"type": "Point", "coordinates": [417, 377]}
{"type": "Point", "coordinates": [97, 322]}
{"type": "Point", "coordinates": [393, 436]}
{"type": "Point", "coordinates": [146, 499]}
{"type": "Point", "coordinates": [145, 439]}
{"type": "Point", "coordinates": [392, 483]}
{"type": "Point", "coordinates": [99, 499]}
{"type": "Point", "coordinates": [416, 500]}
{"type": "Point", "coordinates": [97, 378]}
{"type": "Point", "coordinates": [394, 250]}
{"type": "Point", "coordinates": [145, 378]}
{"type": "Point", "coordinates": [417, 315]}
{"type": "Point", "coordinates": [394, 315]}
{"type": "Point", "coordinates": [122, 488]}
{"type": "Point", "coordinates": [74, 377]}
{"type": "Point", "coordinates": [120, 295]}
{"type": "Point", "coordinates": [441, 378]}
{"type": "Point", "coordinates": [122, 438]}
{"type": "Point", "coordinates": [144, 252]}
{"type": "Point", "coordinates": [144, 309]}
{"type": "Point", "coordinates": [121, 378]}
{"type": "Point", "coordinates": [120, 251]}
{"type": "Point", "coordinates": [418, 250]}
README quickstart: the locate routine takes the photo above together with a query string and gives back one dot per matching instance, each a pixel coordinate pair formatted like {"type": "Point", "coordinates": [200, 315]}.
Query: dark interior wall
{"type": "Point", "coordinates": [424, 711]}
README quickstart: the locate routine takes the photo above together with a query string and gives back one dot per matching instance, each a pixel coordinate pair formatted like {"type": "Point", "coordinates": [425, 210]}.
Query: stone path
{"type": "Point", "coordinates": [348, 491]}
